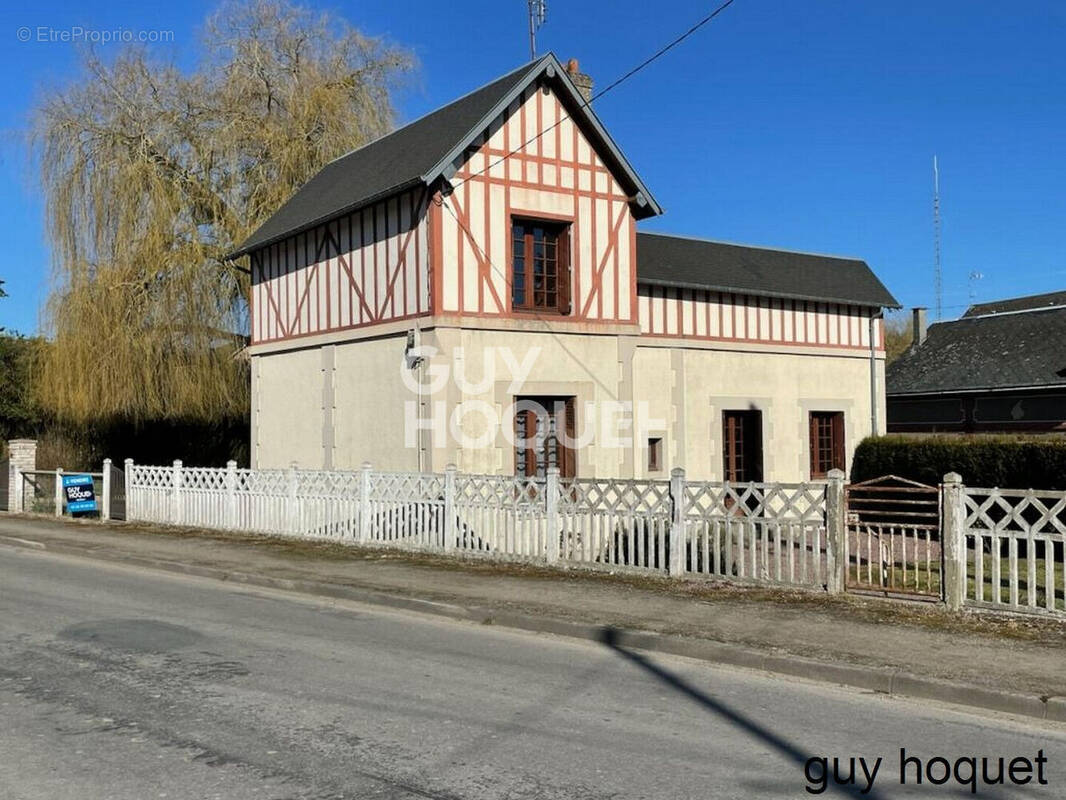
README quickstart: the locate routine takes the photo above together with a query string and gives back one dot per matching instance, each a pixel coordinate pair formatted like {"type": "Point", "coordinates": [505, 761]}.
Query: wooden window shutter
{"type": "Point", "coordinates": [564, 278]}
{"type": "Point", "coordinates": [567, 454]}
{"type": "Point", "coordinates": [812, 431]}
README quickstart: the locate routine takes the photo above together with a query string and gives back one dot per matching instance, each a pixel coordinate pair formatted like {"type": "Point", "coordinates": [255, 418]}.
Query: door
{"type": "Point", "coordinates": [544, 436]}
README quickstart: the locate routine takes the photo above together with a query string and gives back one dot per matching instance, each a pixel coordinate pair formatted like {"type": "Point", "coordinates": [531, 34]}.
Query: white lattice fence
{"type": "Point", "coordinates": [766, 532]}
{"type": "Point", "coordinates": [406, 509]}
{"type": "Point", "coordinates": [1013, 548]}
{"type": "Point", "coordinates": [150, 493]}
{"type": "Point", "coordinates": [260, 500]}
{"type": "Point", "coordinates": [199, 492]}
{"type": "Point", "coordinates": [623, 523]}
{"type": "Point", "coordinates": [500, 514]}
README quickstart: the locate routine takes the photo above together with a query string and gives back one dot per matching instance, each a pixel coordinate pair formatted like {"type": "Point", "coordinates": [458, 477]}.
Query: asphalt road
{"type": "Point", "coordinates": [120, 683]}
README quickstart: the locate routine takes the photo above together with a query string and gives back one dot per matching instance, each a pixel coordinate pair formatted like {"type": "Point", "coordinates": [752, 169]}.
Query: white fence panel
{"type": "Point", "coordinates": [1014, 543]}
{"type": "Point", "coordinates": [621, 523]}
{"type": "Point", "coordinates": [501, 515]}
{"type": "Point", "coordinates": [760, 532]}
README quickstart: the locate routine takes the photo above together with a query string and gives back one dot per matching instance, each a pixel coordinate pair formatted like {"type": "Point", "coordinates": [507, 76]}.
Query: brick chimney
{"type": "Point", "coordinates": [918, 325]}
{"type": "Point", "coordinates": [582, 81]}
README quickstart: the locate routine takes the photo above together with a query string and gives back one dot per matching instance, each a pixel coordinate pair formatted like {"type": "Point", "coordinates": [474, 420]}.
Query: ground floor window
{"type": "Point", "coordinates": [827, 442]}
{"type": "Point", "coordinates": [655, 454]}
{"type": "Point", "coordinates": [544, 436]}
{"type": "Point", "coordinates": [742, 446]}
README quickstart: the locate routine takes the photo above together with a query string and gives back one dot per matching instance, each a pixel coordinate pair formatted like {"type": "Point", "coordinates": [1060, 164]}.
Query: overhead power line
{"type": "Point", "coordinates": [613, 85]}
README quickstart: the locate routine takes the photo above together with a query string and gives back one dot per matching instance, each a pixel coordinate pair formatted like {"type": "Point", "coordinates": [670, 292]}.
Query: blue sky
{"type": "Point", "coordinates": [808, 126]}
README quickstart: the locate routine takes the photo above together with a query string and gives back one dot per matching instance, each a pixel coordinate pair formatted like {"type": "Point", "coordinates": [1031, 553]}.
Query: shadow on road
{"type": "Point", "coordinates": [610, 637]}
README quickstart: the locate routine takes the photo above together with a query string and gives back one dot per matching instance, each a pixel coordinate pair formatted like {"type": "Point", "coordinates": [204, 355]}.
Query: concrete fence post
{"type": "Point", "coordinates": [127, 489]}
{"type": "Point", "coordinates": [16, 493]}
{"type": "Point", "coordinates": [451, 528]}
{"type": "Point", "coordinates": [105, 510]}
{"type": "Point", "coordinates": [953, 540]}
{"type": "Point", "coordinates": [678, 537]}
{"type": "Point", "coordinates": [59, 493]}
{"type": "Point", "coordinates": [292, 509]}
{"type": "Point", "coordinates": [21, 458]}
{"type": "Point", "coordinates": [551, 516]}
{"type": "Point", "coordinates": [364, 502]}
{"type": "Point", "coordinates": [836, 532]}
{"type": "Point", "coordinates": [175, 492]}
{"type": "Point", "coordinates": [231, 494]}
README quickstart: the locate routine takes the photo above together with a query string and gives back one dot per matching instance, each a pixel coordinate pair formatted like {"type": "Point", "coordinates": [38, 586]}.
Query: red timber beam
{"type": "Point", "coordinates": [401, 260]}
{"type": "Point", "coordinates": [596, 288]}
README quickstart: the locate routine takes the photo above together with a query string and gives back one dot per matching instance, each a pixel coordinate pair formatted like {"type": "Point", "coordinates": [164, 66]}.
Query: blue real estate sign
{"type": "Point", "coordinates": [79, 492]}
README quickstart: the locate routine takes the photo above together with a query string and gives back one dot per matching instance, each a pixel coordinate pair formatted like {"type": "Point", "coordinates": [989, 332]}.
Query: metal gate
{"type": "Point", "coordinates": [893, 538]}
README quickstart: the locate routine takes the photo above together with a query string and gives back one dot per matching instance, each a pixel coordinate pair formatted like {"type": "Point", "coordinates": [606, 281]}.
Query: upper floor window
{"type": "Point", "coordinates": [540, 266]}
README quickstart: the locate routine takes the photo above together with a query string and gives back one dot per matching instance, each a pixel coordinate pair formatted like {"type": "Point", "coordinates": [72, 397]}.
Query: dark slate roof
{"type": "Point", "coordinates": [701, 264]}
{"type": "Point", "coordinates": [420, 152]}
{"type": "Point", "coordinates": [1012, 350]}
{"type": "Point", "coordinates": [1017, 304]}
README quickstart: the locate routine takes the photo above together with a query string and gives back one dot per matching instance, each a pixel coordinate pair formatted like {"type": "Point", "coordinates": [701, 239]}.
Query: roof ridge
{"type": "Point", "coordinates": [1016, 299]}
{"type": "Point", "coordinates": [431, 112]}
{"type": "Point", "coordinates": [1003, 313]}
{"type": "Point", "coordinates": [749, 246]}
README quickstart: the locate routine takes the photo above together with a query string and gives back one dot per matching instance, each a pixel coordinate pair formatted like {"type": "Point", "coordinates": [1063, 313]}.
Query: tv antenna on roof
{"type": "Point", "coordinates": [938, 278]}
{"type": "Point", "coordinates": [538, 13]}
{"type": "Point", "coordinates": [975, 276]}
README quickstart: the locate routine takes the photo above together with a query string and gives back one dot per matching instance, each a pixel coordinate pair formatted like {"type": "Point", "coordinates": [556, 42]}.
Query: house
{"type": "Point", "coordinates": [999, 367]}
{"type": "Point", "coordinates": [472, 289]}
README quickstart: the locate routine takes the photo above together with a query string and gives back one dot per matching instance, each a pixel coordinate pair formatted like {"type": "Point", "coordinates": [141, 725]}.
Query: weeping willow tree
{"type": "Point", "coordinates": [153, 174]}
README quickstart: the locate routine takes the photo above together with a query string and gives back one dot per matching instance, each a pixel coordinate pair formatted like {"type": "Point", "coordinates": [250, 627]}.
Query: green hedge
{"type": "Point", "coordinates": [984, 461]}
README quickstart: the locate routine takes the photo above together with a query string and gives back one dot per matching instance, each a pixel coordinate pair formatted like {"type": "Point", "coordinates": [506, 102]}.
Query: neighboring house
{"type": "Point", "coordinates": [1000, 367]}
{"type": "Point", "coordinates": [465, 244]}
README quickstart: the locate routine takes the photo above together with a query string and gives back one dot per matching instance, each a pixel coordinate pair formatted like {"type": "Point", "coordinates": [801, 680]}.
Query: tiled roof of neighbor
{"type": "Point", "coordinates": [702, 264]}
{"type": "Point", "coordinates": [999, 351]}
{"type": "Point", "coordinates": [419, 152]}
{"type": "Point", "coordinates": [1017, 304]}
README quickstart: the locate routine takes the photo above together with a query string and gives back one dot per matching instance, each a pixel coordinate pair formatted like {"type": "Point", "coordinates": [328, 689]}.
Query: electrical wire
{"type": "Point", "coordinates": [613, 85]}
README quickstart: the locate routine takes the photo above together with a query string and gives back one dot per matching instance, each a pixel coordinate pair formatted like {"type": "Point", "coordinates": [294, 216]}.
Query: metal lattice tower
{"type": "Point", "coordinates": [938, 277]}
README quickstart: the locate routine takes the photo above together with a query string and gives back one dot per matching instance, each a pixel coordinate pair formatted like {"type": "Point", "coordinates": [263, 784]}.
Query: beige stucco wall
{"type": "Point", "coordinates": [371, 402]}
{"type": "Point", "coordinates": [287, 409]}
{"type": "Point", "coordinates": [341, 404]}
{"type": "Point", "coordinates": [333, 407]}
{"type": "Point", "coordinates": [693, 386]}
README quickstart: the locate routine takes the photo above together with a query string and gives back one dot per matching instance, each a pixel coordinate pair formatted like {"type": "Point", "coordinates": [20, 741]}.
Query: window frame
{"type": "Point", "coordinates": [562, 276]}
{"type": "Point", "coordinates": [816, 443]}
{"type": "Point", "coordinates": [655, 454]}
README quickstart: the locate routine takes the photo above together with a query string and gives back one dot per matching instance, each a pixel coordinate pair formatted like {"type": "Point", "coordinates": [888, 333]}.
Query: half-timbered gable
{"type": "Point", "coordinates": [509, 174]}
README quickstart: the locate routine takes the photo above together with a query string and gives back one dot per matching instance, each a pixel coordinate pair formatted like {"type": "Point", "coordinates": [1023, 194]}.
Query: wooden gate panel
{"type": "Point", "coordinates": [893, 538]}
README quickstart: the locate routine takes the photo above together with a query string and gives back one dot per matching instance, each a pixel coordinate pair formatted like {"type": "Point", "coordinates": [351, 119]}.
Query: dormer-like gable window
{"type": "Point", "coordinates": [540, 266]}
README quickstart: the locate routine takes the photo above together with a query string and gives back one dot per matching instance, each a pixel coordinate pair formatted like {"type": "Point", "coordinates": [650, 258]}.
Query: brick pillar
{"type": "Point", "coordinates": [22, 455]}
